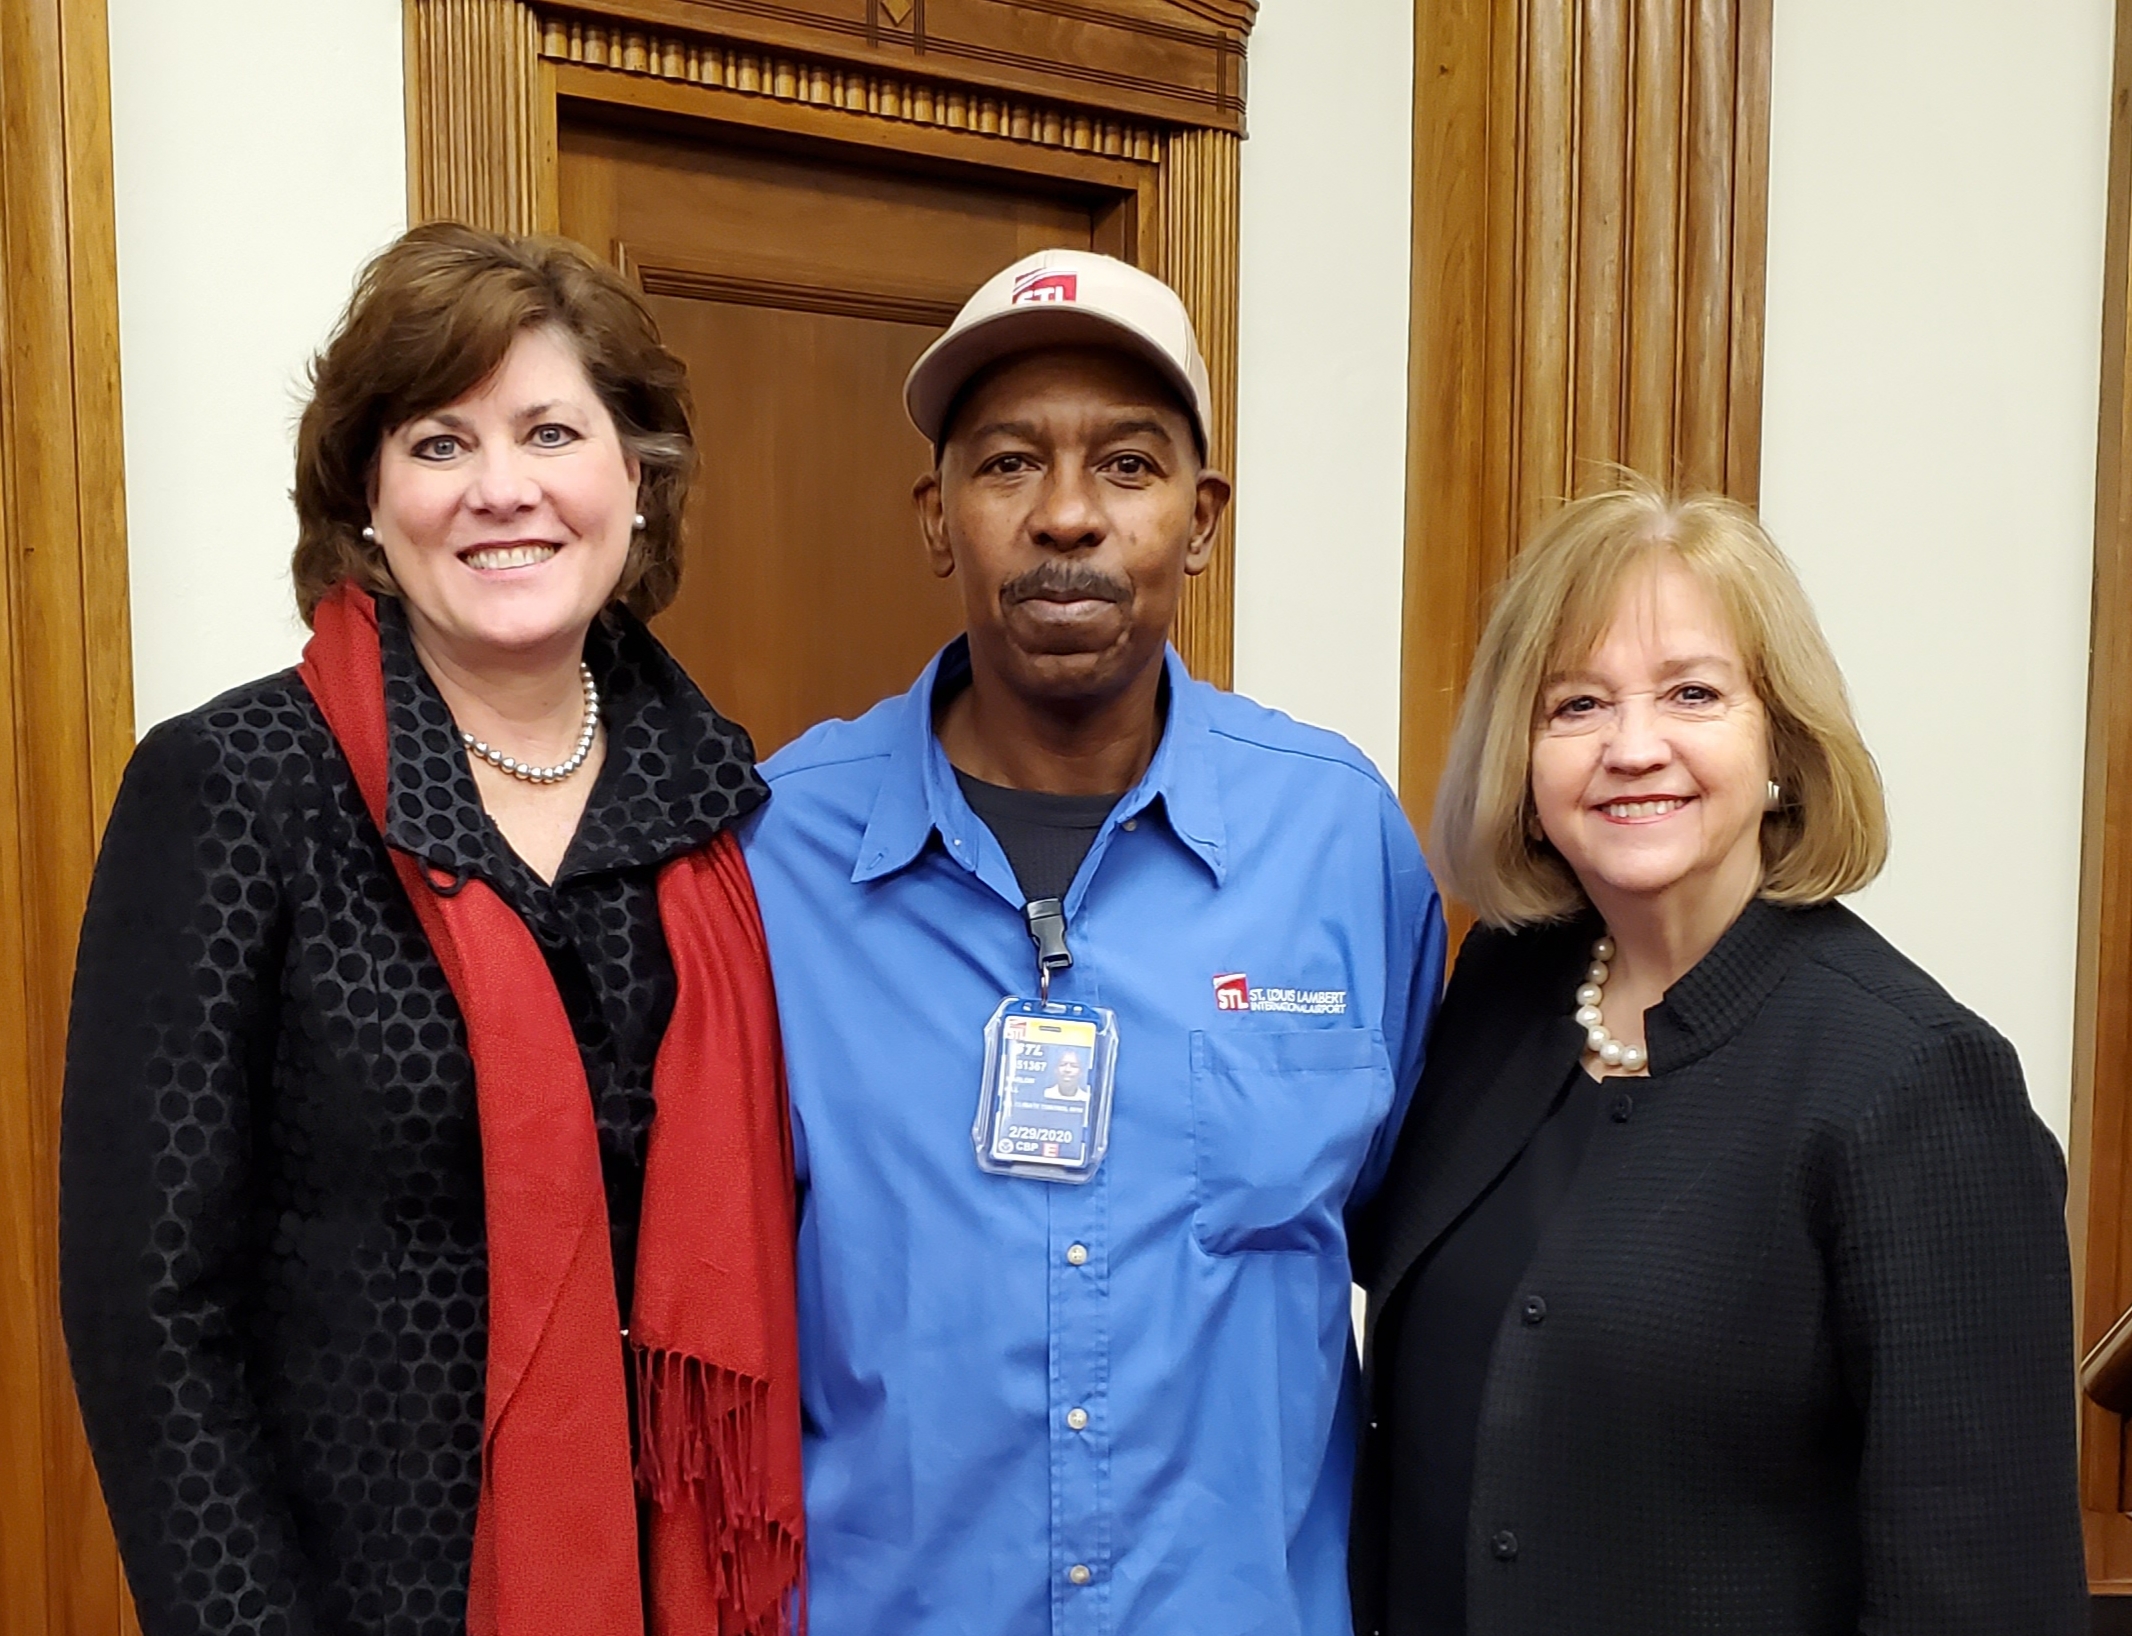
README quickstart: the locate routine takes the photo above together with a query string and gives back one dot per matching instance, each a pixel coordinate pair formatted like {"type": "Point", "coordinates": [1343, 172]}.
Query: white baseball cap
{"type": "Point", "coordinates": [1062, 298]}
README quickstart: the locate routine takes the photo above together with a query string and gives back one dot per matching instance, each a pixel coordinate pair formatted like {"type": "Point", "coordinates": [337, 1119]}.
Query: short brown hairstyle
{"type": "Point", "coordinates": [432, 317]}
{"type": "Point", "coordinates": [1829, 835]}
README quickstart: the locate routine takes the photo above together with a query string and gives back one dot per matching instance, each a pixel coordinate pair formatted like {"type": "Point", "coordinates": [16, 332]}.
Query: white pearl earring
{"type": "Point", "coordinates": [1773, 797]}
{"type": "Point", "coordinates": [370, 534]}
{"type": "Point", "coordinates": [639, 520]}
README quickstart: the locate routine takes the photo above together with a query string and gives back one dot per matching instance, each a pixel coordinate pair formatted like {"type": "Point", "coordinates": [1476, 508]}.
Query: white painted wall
{"type": "Point", "coordinates": [1322, 413]}
{"type": "Point", "coordinates": [1937, 184]}
{"type": "Point", "coordinates": [259, 159]}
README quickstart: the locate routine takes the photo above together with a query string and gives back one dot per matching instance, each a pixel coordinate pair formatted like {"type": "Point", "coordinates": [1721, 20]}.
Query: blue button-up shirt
{"type": "Point", "coordinates": [1039, 1409]}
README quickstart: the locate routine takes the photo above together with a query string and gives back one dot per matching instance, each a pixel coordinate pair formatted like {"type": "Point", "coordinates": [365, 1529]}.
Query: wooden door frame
{"type": "Point", "coordinates": [2100, 1203]}
{"type": "Point", "coordinates": [66, 681]}
{"type": "Point", "coordinates": [1145, 111]}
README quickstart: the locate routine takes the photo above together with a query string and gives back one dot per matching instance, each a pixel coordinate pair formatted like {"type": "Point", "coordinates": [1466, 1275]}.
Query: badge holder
{"type": "Point", "coordinates": [1049, 1068]}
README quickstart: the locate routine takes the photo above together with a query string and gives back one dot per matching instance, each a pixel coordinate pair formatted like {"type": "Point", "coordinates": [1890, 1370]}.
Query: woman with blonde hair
{"type": "Point", "coordinates": [1719, 1282]}
{"type": "Point", "coordinates": [426, 1184]}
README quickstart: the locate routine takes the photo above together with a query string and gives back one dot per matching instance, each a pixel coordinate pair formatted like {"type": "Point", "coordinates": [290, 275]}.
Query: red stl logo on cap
{"type": "Point", "coordinates": [1042, 286]}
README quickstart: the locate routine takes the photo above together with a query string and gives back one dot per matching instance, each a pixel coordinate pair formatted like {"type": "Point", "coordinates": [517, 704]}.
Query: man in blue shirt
{"type": "Point", "coordinates": [1123, 1402]}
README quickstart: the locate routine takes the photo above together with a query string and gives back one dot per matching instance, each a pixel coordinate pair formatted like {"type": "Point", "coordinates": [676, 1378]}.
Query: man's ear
{"type": "Point", "coordinates": [932, 523]}
{"type": "Point", "coordinates": [1209, 502]}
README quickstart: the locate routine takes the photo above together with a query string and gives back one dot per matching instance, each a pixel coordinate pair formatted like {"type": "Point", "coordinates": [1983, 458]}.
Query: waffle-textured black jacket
{"type": "Point", "coordinates": [1801, 1359]}
{"type": "Point", "coordinates": [273, 1261]}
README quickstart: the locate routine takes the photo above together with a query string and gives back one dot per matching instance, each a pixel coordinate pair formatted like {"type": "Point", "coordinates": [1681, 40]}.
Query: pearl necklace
{"type": "Point", "coordinates": [562, 769]}
{"type": "Point", "coordinates": [1590, 997]}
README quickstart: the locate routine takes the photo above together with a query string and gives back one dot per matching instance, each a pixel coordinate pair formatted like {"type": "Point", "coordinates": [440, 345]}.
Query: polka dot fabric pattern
{"type": "Point", "coordinates": [274, 1275]}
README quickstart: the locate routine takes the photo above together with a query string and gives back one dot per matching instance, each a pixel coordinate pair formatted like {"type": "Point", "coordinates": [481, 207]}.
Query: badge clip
{"type": "Point", "coordinates": [1047, 930]}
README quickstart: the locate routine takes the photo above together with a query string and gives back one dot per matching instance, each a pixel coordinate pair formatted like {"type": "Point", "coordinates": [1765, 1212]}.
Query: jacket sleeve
{"type": "Point", "coordinates": [1952, 1305]}
{"type": "Point", "coordinates": [169, 1045]}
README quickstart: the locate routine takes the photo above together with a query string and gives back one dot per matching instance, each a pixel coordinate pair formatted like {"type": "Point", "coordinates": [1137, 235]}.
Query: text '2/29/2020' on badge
{"type": "Point", "coordinates": [1044, 1111]}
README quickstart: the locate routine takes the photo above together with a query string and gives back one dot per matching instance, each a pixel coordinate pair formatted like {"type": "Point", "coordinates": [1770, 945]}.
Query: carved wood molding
{"type": "Point", "coordinates": [656, 273]}
{"type": "Point", "coordinates": [1590, 216]}
{"type": "Point", "coordinates": [827, 83]}
{"type": "Point", "coordinates": [1202, 186]}
{"type": "Point", "coordinates": [1175, 62]}
{"type": "Point", "coordinates": [66, 693]}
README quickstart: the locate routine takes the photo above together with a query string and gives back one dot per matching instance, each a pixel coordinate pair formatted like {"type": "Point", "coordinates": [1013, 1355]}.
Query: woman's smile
{"type": "Point", "coordinates": [1642, 809]}
{"type": "Point", "coordinates": [508, 555]}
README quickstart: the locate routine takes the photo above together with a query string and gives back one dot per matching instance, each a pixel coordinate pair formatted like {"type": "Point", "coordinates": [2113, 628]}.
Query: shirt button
{"type": "Point", "coordinates": [1535, 1309]}
{"type": "Point", "coordinates": [1077, 1419]}
{"type": "Point", "coordinates": [1621, 1108]}
{"type": "Point", "coordinates": [1077, 1255]}
{"type": "Point", "coordinates": [1505, 1546]}
{"type": "Point", "coordinates": [1132, 823]}
{"type": "Point", "coordinates": [1079, 1573]}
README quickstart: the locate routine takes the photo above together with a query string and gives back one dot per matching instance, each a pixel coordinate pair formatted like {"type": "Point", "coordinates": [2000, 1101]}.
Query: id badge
{"type": "Point", "coordinates": [1045, 1110]}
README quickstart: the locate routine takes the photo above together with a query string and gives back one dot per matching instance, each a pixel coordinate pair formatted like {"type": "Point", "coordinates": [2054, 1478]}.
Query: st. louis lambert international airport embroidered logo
{"type": "Point", "coordinates": [1233, 992]}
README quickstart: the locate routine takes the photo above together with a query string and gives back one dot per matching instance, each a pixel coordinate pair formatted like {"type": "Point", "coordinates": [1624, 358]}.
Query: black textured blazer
{"type": "Point", "coordinates": [273, 1255]}
{"type": "Point", "coordinates": [1802, 1363]}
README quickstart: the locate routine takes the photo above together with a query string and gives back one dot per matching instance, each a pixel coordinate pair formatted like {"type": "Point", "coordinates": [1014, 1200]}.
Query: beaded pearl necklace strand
{"type": "Point", "coordinates": [1590, 997]}
{"type": "Point", "coordinates": [562, 769]}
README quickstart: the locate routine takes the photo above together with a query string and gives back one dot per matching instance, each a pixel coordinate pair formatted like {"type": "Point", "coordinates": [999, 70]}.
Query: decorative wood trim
{"type": "Point", "coordinates": [485, 77]}
{"type": "Point", "coordinates": [1171, 62]}
{"type": "Point", "coordinates": [2101, 1147]}
{"type": "Point", "coordinates": [658, 274]}
{"type": "Point", "coordinates": [1590, 216]}
{"type": "Point", "coordinates": [1202, 183]}
{"type": "Point", "coordinates": [825, 83]}
{"type": "Point", "coordinates": [67, 692]}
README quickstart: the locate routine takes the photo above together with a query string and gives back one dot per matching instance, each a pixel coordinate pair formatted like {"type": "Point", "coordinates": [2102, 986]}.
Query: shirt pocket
{"type": "Point", "coordinates": [1281, 1123]}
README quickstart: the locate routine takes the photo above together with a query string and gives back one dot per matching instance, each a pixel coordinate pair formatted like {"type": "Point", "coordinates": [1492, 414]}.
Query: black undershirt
{"type": "Point", "coordinates": [1441, 1331]}
{"type": "Point", "coordinates": [1045, 837]}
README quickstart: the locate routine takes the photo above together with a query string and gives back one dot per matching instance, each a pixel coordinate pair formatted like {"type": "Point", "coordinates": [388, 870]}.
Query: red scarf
{"type": "Point", "coordinates": [712, 1339]}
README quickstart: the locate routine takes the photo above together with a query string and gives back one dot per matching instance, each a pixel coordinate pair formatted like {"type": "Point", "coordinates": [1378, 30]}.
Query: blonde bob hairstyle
{"type": "Point", "coordinates": [1829, 835]}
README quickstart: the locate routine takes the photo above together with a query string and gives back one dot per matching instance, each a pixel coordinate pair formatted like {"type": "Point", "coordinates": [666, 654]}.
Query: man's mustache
{"type": "Point", "coordinates": [1064, 582]}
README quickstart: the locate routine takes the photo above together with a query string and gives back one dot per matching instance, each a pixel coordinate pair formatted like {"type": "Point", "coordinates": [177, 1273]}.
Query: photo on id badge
{"type": "Point", "coordinates": [1047, 1091]}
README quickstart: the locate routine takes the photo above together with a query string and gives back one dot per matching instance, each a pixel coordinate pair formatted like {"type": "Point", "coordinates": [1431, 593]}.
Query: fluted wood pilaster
{"type": "Point", "coordinates": [1201, 186]}
{"type": "Point", "coordinates": [480, 132]}
{"type": "Point", "coordinates": [1590, 213]}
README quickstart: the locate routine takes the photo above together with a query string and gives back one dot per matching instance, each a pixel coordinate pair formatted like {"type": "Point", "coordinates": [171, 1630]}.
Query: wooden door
{"type": "Point", "coordinates": [800, 287]}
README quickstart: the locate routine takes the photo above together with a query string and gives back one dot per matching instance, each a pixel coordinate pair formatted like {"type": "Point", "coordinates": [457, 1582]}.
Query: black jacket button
{"type": "Point", "coordinates": [1621, 1108]}
{"type": "Point", "coordinates": [1505, 1546]}
{"type": "Point", "coordinates": [1535, 1309]}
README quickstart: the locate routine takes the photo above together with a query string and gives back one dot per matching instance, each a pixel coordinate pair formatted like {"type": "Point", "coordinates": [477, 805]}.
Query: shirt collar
{"type": "Point", "coordinates": [1724, 990]}
{"type": "Point", "coordinates": [919, 797]}
{"type": "Point", "coordinates": [675, 772]}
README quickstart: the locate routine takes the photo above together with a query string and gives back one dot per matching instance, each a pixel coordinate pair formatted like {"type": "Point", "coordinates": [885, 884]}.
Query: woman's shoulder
{"type": "Point", "coordinates": [1899, 1046]}
{"type": "Point", "coordinates": [1846, 967]}
{"type": "Point", "coordinates": [260, 736]}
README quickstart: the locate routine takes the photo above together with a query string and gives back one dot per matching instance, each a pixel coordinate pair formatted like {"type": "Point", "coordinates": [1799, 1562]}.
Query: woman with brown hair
{"type": "Point", "coordinates": [423, 1030]}
{"type": "Point", "coordinates": [1719, 1281]}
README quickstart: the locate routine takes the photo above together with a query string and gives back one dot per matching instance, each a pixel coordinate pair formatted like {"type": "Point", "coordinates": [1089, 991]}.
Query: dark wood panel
{"type": "Point", "coordinates": [807, 594]}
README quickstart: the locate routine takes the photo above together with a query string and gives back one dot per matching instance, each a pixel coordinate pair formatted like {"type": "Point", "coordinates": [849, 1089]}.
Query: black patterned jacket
{"type": "Point", "coordinates": [1794, 1357]}
{"type": "Point", "coordinates": [273, 1268]}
